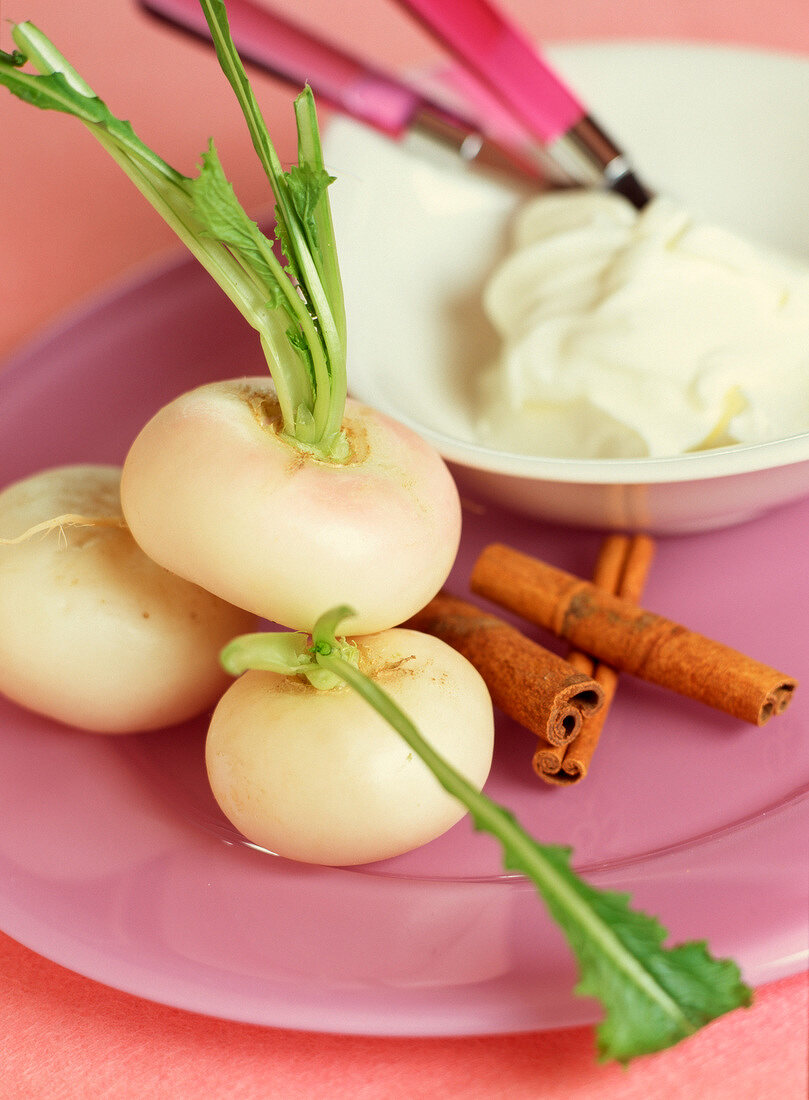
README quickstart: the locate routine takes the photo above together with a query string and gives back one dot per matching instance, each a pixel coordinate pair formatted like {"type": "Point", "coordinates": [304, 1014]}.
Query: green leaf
{"type": "Point", "coordinates": [654, 996]}
{"type": "Point", "coordinates": [53, 91]}
{"type": "Point", "coordinates": [282, 652]}
{"type": "Point", "coordinates": [324, 251]}
{"type": "Point", "coordinates": [15, 58]}
{"type": "Point", "coordinates": [224, 219]}
{"type": "Point", "coordinates": [307, 186]}
{"type": "Point", "coordinates": [310, 157]}
{"type": "Point", "coordinates": [289, 653]}
{"type": "Point", "coordinates": [324, 632]}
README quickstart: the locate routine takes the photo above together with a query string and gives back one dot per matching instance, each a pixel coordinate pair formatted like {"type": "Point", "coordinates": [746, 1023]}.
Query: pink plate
{"type": "Point", "coordinates": [115, 861]}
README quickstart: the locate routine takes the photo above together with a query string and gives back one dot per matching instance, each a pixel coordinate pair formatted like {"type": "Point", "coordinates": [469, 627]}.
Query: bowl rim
{"type": "Point", "coordinates": [740, 458]}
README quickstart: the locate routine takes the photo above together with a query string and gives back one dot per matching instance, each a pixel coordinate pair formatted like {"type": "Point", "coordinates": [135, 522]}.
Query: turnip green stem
{"type": "Point", "coordinates": [289, 653]}
{"type": "Point", "coordinates": [307, 230]}
{"type": "Point", "coordinates": [295, 304]}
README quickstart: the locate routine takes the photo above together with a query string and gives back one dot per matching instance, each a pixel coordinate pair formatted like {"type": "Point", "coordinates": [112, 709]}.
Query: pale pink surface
{"type": "Point", "coordinates": [70, 1037]}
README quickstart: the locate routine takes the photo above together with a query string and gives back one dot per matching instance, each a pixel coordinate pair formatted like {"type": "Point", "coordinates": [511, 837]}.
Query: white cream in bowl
{"type": "Point", "coordinates": [626, 334]}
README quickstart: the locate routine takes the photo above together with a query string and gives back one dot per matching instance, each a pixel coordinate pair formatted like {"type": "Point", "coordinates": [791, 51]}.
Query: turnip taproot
{"type": "Point", "coordinates": [92, 632]}
{"type": "Point", "coordinates": [317, 775]}
{"type": "Point", "coordinates": [212, 490]}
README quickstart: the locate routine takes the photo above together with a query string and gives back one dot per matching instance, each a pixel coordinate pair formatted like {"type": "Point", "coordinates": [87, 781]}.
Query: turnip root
{"type": "Point", "coordinates": [214, 492]}
{"type": "Point", "coordinates": [92, 632]}
{"type": "Point", "coordinates": [317, 775]}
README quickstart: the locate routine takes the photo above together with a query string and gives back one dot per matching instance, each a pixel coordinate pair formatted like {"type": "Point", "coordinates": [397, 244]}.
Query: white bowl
{"type": "Point", "coordinates": [721, 129]}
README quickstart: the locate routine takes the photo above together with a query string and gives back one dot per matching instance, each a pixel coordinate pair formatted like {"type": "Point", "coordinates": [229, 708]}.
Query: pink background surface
{"type": "Point", "coordinates": [69, 225]}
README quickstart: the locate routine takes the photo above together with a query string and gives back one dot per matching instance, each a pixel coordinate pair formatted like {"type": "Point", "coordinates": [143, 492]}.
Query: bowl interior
{"type": "Point", "coordinates": [419, 235]}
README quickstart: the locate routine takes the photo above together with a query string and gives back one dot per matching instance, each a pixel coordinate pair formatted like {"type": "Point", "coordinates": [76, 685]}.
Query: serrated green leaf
{"type": "Point", "coordinates": [653, 996]}
{"type": "Point", "coordinates": [316, 276]}
{"type": "Point", "coordinates": [223, 218]}
{"type": "Point", "coordinates": [307, 186]}
{"type": "Point", "coordinates": [51, 92]}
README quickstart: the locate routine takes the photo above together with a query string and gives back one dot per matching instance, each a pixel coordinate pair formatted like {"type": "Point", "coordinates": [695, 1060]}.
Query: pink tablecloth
{"type": "Point", "coordinates": [68, 226]}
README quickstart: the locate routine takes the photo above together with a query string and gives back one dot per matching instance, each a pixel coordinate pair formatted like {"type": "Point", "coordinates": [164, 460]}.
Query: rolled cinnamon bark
{"type": "Point", "coordinates": [622, 568]}
{"type": "Point", "coordinates": [534, 686]}
{"type": "Point", "coordinates": [630, 639]}
{"type": "Point", "coordinates": [547, 762]}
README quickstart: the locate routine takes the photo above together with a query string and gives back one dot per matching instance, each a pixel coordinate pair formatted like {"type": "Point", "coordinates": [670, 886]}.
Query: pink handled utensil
{"type": "Point", "coordinates": [355, 88]}
{"type": "Point", "coordinates": [481, 38]}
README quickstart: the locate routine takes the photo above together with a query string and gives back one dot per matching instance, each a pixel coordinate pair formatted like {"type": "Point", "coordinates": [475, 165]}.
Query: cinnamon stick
{"type": "Point", "coordinates": [534, 686]}
{"type": "Point", "coordinates": [631, 639]}
{"type": "Point", "coordinates": [622, 568]}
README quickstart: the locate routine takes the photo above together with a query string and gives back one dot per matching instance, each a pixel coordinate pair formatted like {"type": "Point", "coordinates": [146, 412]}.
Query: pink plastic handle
{"type": "Point", "coordinates": [298, 57]}
{"type": "Point", "coordinates": [480, 37]}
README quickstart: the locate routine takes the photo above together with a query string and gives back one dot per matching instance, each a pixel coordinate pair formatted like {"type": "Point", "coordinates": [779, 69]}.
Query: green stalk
{"type": "Point", "coordinates": [324, 250]}
{"type": "Point", "coordinates": [298, 312]}
{"type": "Point", "coordinates": [328, 354]}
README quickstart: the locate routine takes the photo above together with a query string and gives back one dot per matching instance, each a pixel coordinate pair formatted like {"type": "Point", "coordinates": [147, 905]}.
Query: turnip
{"type": "Point", "coordinates": [92, 632]}
{"type": "Point", "coordinates": [272, 496]}
{"type": "Point", "coordinates": [292, 532]}
{"type": "Point", "coordinates": [315, 774]}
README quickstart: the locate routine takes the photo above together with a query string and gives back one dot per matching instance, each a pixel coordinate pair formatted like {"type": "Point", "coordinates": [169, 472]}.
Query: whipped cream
{"type": "Point", "coordinates": [629, 333]}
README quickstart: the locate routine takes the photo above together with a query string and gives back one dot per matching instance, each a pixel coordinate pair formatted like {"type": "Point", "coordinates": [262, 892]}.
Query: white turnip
{"type": "Point", "coordinates": [92, 632]}
{"type": "Point", "coordinates": [212, 490]}
{"type": "Point", "coordinates": [315, 774]}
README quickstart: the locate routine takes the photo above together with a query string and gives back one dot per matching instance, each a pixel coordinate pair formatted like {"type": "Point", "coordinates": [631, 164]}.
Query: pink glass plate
{"type": "Point", "coordinates": [115, 862]}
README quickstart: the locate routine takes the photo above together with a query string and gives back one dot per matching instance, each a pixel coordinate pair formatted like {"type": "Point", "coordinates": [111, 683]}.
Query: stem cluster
{"type": "Point", "coordinates": [294, 302]}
